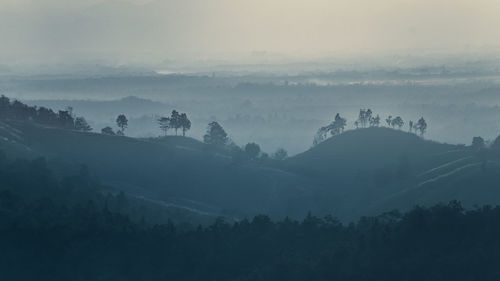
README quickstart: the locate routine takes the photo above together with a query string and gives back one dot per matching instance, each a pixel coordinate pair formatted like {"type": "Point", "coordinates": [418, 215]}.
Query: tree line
{"type": "Point", "coordinates": [62, 119]}
{"type": "Point", "coordinates": [215, 134]}
{"type": "Point", "coordinates": [176, 121]}
{"type": "Point", "coordinates": [366, 118]}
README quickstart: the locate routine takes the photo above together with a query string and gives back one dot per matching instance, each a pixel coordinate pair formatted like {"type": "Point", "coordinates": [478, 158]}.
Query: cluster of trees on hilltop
{"type": "Point", "coordinates": [366, 118]}
{"type": "Point", "coordinates": [17, 110]}
{"type": "Point", "coordinates": [335, 128]}
{"type": "Point", "coordinates": [176, 121]}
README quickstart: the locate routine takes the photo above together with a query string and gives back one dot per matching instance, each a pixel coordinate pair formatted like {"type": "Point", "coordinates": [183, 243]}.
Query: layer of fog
{"type": "Point", "coordinates": [275, 110]}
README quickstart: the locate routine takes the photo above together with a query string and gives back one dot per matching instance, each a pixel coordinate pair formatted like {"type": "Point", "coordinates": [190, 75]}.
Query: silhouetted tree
{"type": "Point", "coordinates": [65, 119]}
{"type": "Point", "coordinates": [82, 125]}
{"type": "Point", "coordinates": [252, 150]}
{"type": "Point", "coordinates": [107, 131]}
{"type": "Point", "coordinates": [164, 123]}
{"type": "Point", "coordinates": [69, 109]}
{"type": "Point", "coordinates": [215, 134]}
{"type": "Point", "coordinates": [20, 111]}
{"type": "Point", "coordinates": [397, 122]}
{"type": "Point", "coordinates": [421, 126]}
{"type": "Point", "coordinates": [122, 123]}
{"type": "Point", "coordinates": [334, 128]}
{"type": "Point", "coordinates": [185, 123]}
{"type": "Point", "coordinates": [280, 154]}
{"type": "Point", "coordinates": [175, 121]}
{"type": "Point", "coordinates": [388, 120]}
{"type": "Point", "coordinates": [375, 121]}
{"type": "Point", "coordinates": [364, 117]}
{"type": "Point", "coordinates": [410, 126]}
{"type": "Point", "coordinates": [47, 116]}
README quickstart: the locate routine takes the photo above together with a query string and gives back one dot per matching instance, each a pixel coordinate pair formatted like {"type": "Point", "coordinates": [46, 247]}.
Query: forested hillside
{"type": "Point", "coordinates": [49, 241]}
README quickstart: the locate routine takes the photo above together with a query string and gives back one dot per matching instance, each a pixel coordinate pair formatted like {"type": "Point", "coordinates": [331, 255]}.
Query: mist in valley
{"type": "Point", "coordinates": [278, 111]}
{"type": "Point", "coordinates": [249, 140]}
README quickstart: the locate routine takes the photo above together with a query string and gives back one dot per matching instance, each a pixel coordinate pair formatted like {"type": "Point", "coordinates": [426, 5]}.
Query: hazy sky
{"type": "Point", "coordinates": [142, 30]}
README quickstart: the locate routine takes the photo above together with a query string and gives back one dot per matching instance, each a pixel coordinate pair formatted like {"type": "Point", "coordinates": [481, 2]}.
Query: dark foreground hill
{"type": "Point", "coordinates": [360, 172]}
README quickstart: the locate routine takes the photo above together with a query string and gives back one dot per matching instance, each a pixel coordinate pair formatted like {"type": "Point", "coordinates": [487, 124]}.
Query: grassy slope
{"type": "Point", "coordinates": [174, 168]}
{"type": "Point", "coordinates": [377, 169]}
{"type": "Point", "coordinates": [360, 172]}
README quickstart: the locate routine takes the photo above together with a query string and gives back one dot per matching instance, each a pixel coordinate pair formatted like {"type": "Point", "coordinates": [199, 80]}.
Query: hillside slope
{"type": "Point", "coordinates": [172, 170]}
{"type": "Point", "coordinates": [377, 169]}
{"type": "Point", "coordinates": [361, 172]}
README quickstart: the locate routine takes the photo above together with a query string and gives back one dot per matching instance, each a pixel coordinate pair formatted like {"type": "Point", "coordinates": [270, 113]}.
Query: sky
{"type": "Point", "coordinates": [127, 31]}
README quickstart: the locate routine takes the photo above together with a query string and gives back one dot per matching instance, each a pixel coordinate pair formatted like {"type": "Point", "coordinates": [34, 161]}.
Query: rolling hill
{"type": "Point", "coordinates": [174, 170]}
{"type": "Point", "coordinates": [378, 169]}
{"type": "Point", "coordinates": [360, 172]}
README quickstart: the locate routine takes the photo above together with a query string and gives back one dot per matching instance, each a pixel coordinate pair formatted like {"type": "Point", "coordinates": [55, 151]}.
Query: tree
{"type": "Point", "coordinates": [175, 121]}
{"type": "Point", "coordinates": [107, 131]}
{"type": "Point", "coordinates": [122, 123]}
{"type": "Point", "coordinates": [335, 128]}
{"type": "Point", "coordinates": [185, 123]}
{"type": "Point", "coordinates": [375, 121]}
{"type": "Point", "coordinates": [280, 154]}
{"type": "Point", "coordinates": [164, 123]}
{"type": "Point", "coordinates": [47, 116]}
{"type": "Point", "coordinates": [215, 134]}
{"type": "Point", "coordinates": [421, 126]}
{"type": "Point", "coordinates": [320, 136]}
{"type": "Point", "coordinates": [252, 150]}
{"type": "Point", "coordinates": [398, 121]}
{"type": "Point", "coordinates": [410, 126]}
{"type": "Point", "coordinates": [478, 143]}
{"type": "Point", "coordinates": [65, 119]}
{"type": "Point", "coordinates": [368, 115]}
{"type": "Point", "coordinates": [338, 124]}
{"type": "Point", "coordinates": [388, 120]}
{"type": "Point", "coordinates": [364, 117]}
{"type": "Point", "coordinates": [82, 125]}
{"type": "Point", "coordinates": [69, 109]}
